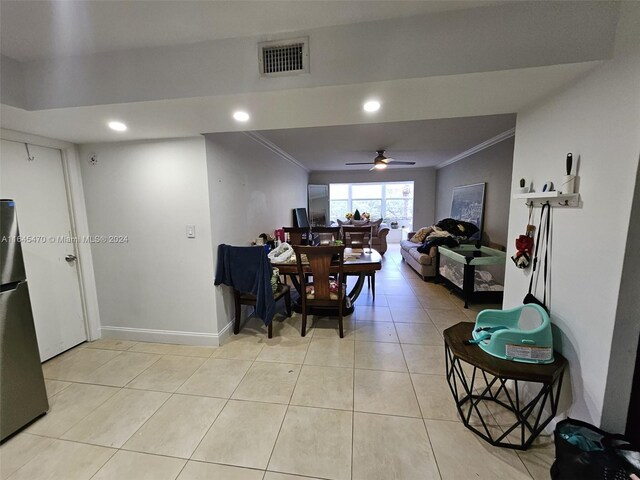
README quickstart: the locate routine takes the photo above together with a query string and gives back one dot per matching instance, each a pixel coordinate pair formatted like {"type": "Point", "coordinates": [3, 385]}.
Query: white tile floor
{"type": "Point", "coordinates": [373, 405]}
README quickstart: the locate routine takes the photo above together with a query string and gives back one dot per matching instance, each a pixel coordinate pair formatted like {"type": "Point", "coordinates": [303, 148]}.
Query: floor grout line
{"type": "Point", "coordinates": [222, 409]}
{"type": "Point", "coordinates": [353, 413]}
{"type": "Point", "coordinates": [288, 405]}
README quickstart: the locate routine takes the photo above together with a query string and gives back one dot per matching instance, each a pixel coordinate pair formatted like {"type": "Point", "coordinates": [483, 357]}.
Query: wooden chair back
{"type": "Point", "coordinates": [324, 268]}
{"type": "Point", "coordinates": [297, 235]}
{"type": "Point", "coordinates": [357, 237]}
{"type": "Point", "coordinates": [324, 234]}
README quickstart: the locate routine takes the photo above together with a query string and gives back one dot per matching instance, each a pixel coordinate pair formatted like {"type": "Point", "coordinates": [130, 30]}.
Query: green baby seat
{"type": "Point", "coordinates": [504, 334]}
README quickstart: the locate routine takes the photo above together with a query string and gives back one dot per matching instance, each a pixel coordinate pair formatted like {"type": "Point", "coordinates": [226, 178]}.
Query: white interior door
{"type": "Point", "coordinates": [39, 190]}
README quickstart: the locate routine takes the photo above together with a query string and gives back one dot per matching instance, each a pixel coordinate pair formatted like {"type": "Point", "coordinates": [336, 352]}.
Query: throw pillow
{"type": "Point", "coordinates": [420, 235]}
{"type": "Point", "coordinates": [343, 222]}
{"type": "Point", "coordinates": [376, 227]}
{"type": "Point", "coordinates": [360, 223]}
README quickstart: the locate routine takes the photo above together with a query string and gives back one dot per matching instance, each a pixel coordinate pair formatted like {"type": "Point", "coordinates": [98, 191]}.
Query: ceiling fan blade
{"type": "Point", "coordinates": [359, 163]}
{"type": "Point", "coordinates": [372, 168]}
{"type": "Point", "coordinates": [396, 162]}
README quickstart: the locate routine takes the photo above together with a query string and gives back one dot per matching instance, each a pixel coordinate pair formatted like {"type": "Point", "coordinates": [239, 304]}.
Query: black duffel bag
{"type": "Point", "coordinates": [587, 453]}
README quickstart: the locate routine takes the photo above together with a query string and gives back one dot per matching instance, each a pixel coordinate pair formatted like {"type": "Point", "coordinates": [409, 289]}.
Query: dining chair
{"type": "Point", "coordinates": [297, 235]}
{"type": "Point", "coordinates": [248, 271]}
{"type": "Point", "coordinates": [360, 237]}
{"type": "Point", "coordinates": [326, 265]}
{"type": "Point", "coordinates": [241, 298]}
{"type": "Point", "coordinates": [357, 237]}
{"type": "Point", "coordinates": [326, 235]}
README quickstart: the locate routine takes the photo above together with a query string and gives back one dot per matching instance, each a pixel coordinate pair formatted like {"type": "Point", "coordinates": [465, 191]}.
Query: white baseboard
{"type": "Point", "coordinates": [166, 336]}
{"type": "Point", "coordinates": [225, 333]}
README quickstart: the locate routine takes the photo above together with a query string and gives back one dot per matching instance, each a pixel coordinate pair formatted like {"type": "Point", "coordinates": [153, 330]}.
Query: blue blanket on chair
{"type": "Point", "coordinates": [248, 270]}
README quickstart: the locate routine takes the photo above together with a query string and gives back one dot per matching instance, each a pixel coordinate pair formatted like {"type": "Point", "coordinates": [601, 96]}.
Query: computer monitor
{"type": "Point", "coordinates": [300, 218]}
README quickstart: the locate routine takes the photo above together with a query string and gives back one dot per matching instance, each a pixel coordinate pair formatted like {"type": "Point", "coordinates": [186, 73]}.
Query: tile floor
{"type": "Point", "coordinates": [374, 405]}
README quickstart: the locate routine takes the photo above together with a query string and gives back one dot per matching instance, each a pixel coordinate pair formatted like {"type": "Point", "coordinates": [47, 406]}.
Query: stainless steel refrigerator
{"type": "Point", "coordinates": [22, 392]}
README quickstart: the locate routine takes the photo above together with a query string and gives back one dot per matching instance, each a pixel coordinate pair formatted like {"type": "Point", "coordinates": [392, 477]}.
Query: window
{"type": "Point", "coordinates": [392, 201]}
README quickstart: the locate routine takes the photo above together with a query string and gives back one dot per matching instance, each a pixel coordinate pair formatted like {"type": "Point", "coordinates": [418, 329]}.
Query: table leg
{"type": "Point", "coordinates": [357, 288]}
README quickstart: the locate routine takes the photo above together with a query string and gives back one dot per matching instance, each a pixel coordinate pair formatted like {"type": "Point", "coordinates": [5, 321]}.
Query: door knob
{"type": "Point", "coordinates": [70, 258]}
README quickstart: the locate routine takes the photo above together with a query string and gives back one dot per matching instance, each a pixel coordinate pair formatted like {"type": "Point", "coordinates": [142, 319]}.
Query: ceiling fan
{"type": "Point", "coordinates": [381, 162]}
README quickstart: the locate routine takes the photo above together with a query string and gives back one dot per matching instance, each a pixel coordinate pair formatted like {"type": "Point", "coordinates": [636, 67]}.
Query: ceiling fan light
{"type": "Point", "coordinates": [380, 166]}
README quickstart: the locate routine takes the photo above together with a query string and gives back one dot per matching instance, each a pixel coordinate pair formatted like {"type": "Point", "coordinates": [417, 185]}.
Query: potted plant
{"type": "Point", "coordinates": [523, 188]}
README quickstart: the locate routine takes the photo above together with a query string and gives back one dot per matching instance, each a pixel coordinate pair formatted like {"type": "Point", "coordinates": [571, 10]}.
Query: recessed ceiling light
{"type": "Point", "coordinates": [371, 106]}
{"type": "Point", "coordinates": [241, 116]}
{"type": "Point", "coordinates": [117, 126]}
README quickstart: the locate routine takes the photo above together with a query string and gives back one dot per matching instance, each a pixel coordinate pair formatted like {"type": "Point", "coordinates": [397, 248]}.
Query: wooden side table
{"type": "Point", "coordinates": [487, 382]}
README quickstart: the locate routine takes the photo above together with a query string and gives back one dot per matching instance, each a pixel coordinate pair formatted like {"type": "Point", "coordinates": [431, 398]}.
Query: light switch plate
{"type": "Point", "coordinates": [191, 231]}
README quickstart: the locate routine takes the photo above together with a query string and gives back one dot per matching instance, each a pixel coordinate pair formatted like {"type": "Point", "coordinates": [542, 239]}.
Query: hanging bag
{"type": "Point", "coordinates": [530, 297]}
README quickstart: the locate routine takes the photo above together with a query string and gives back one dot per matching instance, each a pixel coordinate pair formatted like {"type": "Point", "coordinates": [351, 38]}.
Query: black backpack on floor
{"type": "Point", "coordinates": [585, 452]}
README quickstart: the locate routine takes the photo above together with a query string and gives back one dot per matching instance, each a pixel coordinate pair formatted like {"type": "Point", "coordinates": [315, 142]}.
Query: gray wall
{"type": "Point", "coordinates": [160, 280]}
{"type": "Point", "coordinates": [251, 190]}
{"type": "Point", "coordinates": [626, 330]}
{"type": "Point", "coordinates": [493, 166]}
{"type": "Point", "coordinates": [424, 186]}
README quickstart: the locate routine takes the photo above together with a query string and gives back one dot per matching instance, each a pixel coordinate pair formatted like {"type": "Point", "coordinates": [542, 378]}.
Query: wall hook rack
{"type": "Point", "coordinates": [553, 199]}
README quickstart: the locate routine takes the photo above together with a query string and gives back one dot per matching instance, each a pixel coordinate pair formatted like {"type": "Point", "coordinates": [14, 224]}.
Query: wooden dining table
{"type": "Point", "coordinates": [358, 263]}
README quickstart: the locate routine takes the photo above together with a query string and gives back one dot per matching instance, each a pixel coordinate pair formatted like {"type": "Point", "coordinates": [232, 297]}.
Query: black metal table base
{"type": "Point", "coordinates": [469, 391]}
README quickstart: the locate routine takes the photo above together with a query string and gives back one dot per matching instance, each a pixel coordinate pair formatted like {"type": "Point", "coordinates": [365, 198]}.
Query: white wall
{"type": "Point", "coordinates": [424, 188]}
{"type": "Point", "coordinates": [598, 119]}
{"type": "Point", "coordinates": [251, 190]}
{"type": "Point", "coordinates": [159, 285]}
{"type": "Point", "coordinates": [492, 166]}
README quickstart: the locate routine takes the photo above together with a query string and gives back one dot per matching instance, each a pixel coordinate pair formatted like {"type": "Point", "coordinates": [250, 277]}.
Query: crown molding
{"type": "Point", "coordinates": [478, 148]}
{"type": "Point", "coordinates": [275, 149]}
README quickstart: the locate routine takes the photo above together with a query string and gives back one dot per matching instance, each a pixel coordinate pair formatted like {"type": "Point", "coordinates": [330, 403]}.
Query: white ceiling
{"type": "Point", "coordinates": [45, 29]}
{"type": "Point", "coordinates": [426, 142]}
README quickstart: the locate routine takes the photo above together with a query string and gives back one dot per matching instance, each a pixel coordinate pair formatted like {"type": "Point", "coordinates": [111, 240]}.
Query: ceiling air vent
{"type": "Point", "coordinates": [284, 57]}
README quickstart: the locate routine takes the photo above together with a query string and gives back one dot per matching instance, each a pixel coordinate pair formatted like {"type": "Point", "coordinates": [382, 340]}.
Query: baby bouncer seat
{"type": "Point", "coordinates": [521, 334]}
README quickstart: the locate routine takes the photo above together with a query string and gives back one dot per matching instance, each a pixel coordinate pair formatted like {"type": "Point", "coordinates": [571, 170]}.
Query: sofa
{"type": "Point", "coordinates": [424, 264]}
{"type": "Point", "coordinates": [380, 232]}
